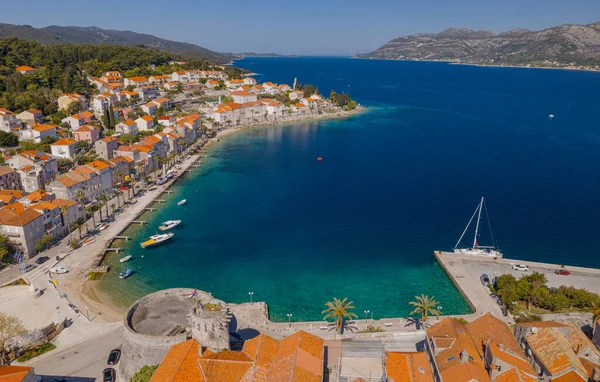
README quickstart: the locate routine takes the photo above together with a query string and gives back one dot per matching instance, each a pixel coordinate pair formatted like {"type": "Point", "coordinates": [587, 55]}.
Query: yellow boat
{"type": "Point", "coordinates": [156, 240]}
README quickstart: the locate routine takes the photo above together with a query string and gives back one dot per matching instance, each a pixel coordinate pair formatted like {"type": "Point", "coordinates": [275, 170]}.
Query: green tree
{"type": "Point", "coordinates": [425, 306]}
{"type": "Point", "coordinates": [43, 243]}
{"type": "Point", "coordinates": [111, 117]}
{"type": "Point", "coordinates": [10, 326]}
{"type": "Point", "coordinates": [338, 310]}
{"type": "Point", "coordinates": [8, 139]}
{"type": "Point", "coordinates": [105, 200]}
{"type": "Point", "coordinates": [79, 224]}
{"type": "Point", "coordinates": [64, 211]}
{"type": "Point", "coordinates": [144, 374]}
{"type": "Point", "coordinates": [91, 210]}
{"type": "Point", "coordinates": [6, 250]}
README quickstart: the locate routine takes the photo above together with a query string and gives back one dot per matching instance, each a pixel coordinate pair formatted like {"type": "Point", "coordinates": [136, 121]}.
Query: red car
{"type": "Point", "coordinates": [124, 188]}
{"type": "Point", "coordinates": [562, 272]}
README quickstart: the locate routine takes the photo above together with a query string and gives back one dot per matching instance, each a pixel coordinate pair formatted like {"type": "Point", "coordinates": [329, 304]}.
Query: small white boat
{"type": "Point", "coordinates": [156, 240]}
{"type": "Point", "coordinates": [165, 226]}
{"type": "Point", "coordinates": [103, 226]}
{"type": "Point", "coordinates": [124, 259]}
{"type": "Point", "coordinates": [551, 116]}
{"type": "Point", "coordinates": [87, 241]}
{"type": "Point", "coordinates": [59, 270]}
{"type": "Point", "coordinates": [181, 202]}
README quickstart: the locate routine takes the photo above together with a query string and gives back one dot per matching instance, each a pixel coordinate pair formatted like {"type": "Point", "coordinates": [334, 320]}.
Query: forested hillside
{"type": "Point", "coordinates": [64, 68]}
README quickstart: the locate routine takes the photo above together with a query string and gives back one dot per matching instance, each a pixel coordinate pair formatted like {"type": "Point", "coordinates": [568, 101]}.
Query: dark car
{"type": "Point", "coordinates": [114, 356]}
{"type": "Point", "coordinates": [108, 375]}
{"type": "Point", "coordinates": [42, 260]}
{"type": "Point", "coordinates": [565, 272]}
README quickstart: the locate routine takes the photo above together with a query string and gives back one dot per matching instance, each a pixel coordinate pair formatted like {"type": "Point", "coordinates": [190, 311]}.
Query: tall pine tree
{"type": "Point", "coordinates": [111, 117]}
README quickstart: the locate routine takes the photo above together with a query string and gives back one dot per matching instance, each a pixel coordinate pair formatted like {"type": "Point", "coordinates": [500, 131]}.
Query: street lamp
{"type": "Point", "coordinates": [87, 310]}
{"type": "Point", "coordinates": [289, 316]}
{"type": "Point", "coordinates": [58, 311]}
{"type": "Point", "coordinates": [367, 317]}
{"type": "Point", "coordinates": [250, 293]}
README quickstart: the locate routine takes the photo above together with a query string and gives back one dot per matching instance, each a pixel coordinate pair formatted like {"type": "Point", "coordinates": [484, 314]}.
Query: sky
{"type": "Point", "coordinates": [303, 27]}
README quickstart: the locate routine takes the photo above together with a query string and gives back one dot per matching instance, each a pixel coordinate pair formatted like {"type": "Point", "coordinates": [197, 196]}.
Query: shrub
{"type": "Point", "coordinates": [461, 320]}
{"type": "Point", "coordinates": [371, 329]}
{"type": "Point", "coordinates": [144, 374]}
{"type": "Point", "coordinates": [31, 353]}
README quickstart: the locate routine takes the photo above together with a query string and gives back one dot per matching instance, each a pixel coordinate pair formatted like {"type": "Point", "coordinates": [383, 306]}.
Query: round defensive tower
{"type": "Point", "coordinates": [159, 320]}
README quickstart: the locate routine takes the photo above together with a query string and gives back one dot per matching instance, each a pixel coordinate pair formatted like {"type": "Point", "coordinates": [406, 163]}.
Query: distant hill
{"type": "Point", "coordinates": [565, 45]}
{"type": "Point", "coordinates": [54, 34]}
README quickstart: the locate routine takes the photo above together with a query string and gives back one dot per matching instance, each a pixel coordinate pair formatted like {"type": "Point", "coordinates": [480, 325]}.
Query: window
{"type": "Point", "coordinates": [452, 358]}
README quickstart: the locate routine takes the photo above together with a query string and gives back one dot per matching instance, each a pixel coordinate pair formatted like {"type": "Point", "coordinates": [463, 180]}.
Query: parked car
{"type": "Point", "coordinates": [114, 356]}
{"type": "Point", "coordinates": [42, 260]}
{"type": "Point", "coordinates": [27, 267]}
{"type": "Point", "coordinates": [565, 272]}
{"type": "Point", "coordinates": [485, 280]}
{"type": "Point", "coordinates": [520, 267]}
{"type": "Point", "coordinates": [108, 375]}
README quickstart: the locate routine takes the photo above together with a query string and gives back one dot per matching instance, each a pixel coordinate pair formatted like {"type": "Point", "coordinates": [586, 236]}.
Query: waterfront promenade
{"type": "Point", "coordinates": [465, 272]}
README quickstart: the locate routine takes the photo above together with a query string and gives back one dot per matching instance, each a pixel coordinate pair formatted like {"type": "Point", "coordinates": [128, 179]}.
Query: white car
{"type": "Point", "coordinates": [59, 270]}
{"type": "Point", "coordinates": [520, 267]}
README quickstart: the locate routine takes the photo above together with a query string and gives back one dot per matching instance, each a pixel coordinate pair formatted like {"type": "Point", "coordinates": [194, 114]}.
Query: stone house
{"type": "Point", "coordinates": [35, 169]}
{"type": "Point", "coordinates": [9, 178]}
{"type": "Point", "coordinates": [87, 133]}
{"type": "Point", "coordinates": [31, 116]}
{"type": "Point", "coordinates": [9, 121]}
{"type": "Point", "coordinates": [64, 148]}
{"type": "Point", "coordinates": [105, 147]}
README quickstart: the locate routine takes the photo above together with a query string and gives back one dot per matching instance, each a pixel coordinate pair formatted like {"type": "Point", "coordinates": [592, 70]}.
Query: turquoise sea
{"type": "Point", "coordinates": [396, 183]}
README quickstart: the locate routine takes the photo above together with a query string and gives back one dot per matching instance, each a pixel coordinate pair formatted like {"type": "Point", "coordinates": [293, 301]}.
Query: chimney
{"type": "Point", "coordinates": [464, 356]}
{"type": "Point", "coordinates": [501, 347]}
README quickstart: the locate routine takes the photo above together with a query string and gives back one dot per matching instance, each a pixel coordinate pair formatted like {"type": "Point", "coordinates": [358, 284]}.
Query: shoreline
{"type": "Point", "coordinates": [482, 65]}
{"type": "Point", "coordinates": [89, 292]}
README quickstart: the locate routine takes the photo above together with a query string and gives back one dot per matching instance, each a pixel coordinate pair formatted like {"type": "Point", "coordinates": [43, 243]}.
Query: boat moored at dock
{"type": "Point", "coordinates": [124, 259]}
{"type": "Point", "coordinates": [476, 249]}
{"type": "Point", "coordinates": [165, 226]}
{"type": "Point", "coordinates": [156, 240]}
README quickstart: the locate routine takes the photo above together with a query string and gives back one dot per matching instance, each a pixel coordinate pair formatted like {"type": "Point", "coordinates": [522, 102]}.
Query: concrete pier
{"type": "Point", "coordinates": [465, 272]}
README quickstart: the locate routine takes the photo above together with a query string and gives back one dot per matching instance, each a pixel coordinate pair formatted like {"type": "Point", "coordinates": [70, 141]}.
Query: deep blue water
{"type": "Point", "coordinates": [397, 182]}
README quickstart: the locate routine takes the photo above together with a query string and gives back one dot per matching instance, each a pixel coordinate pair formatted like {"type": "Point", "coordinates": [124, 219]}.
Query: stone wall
{"type": "Point", "coordinates": [139, 349]}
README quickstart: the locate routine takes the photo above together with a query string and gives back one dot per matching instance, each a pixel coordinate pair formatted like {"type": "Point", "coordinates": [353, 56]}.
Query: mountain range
{"type": "Point", "coordinates": [561, 46]}
{"type": "Point", "coordinates": [54, 34]}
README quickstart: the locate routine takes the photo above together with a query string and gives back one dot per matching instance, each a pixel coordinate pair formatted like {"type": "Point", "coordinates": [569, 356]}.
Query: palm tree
{"type": "Point", "coordinates": [99, 207]}
{"type": "Point", "coordinates": [104, 199]}
{"type": "Point", "coordinates": [63, 210]}
{"type": "Point", "coordinates": [112, 206]}
{"type": "Point", "coordinates": [118, 192]}
{"type": "Point", "coordinates": [80, 195]}
{"type": "Point", "coordinates": [338, 310]}
{"type": "Point", "coordinates": [79, 224]}
{"type": "Point", "coordinates": [425, 306]}
{"type": "Point", "coordinates": [92, 211]}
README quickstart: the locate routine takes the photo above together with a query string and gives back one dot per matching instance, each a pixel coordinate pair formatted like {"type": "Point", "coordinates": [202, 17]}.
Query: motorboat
{"type": "Point", "coordinates": [165, 226]}
{"type": "Point", "coordinates": [156, 240]}
{"type": "Point", "coordinates": [103, 226]}
{"type": "Point", "coordinates": [87, 241]}
{"type": "Point", "coordinates": [179, 203]}
{"type": "Point", "coordinates": [59, 270]}
{"type": "Point", "coordinates": [126, 273]}
{"type": "Point", "coordinates": [124, 259]}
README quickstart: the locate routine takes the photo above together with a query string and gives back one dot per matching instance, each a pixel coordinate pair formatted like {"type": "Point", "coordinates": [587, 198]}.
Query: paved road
{"type": "Point", "coordinates": [80, 363]}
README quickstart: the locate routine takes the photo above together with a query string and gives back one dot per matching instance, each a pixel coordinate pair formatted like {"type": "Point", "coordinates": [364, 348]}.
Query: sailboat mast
{"type": "Point", "coordinates": [477, 226]}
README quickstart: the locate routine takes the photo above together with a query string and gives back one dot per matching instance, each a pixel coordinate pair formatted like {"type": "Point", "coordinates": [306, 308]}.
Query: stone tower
{"type": "Point", "coordinates": [209, 324]}
{"type": "Point", "coordinates": [295, 83]}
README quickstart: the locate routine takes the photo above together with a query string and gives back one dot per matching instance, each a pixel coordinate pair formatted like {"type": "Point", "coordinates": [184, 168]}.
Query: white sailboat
{"type": "Point", "coordinates": [476, 249]}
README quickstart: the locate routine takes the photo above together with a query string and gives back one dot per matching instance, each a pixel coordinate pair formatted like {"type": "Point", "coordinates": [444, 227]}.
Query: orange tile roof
{"type": "Point", "coordinates": [24, 67]}
{"type": "Point", "coordinates": [571, 376]}
{"type": "Point", "coordinates": [180, 364]}
{"type": "Point", "coordinates": [296, 358]}
{"type": "Point", "coordinates": [85, 128]}
{"type": "Point", "coordinates": [129, 122]}
{"type": "Point", "coordinates": [109, 139]}
{"type": "Point", "coordinates": [14, 373]}
{"type": "Point", "coordinates": [34, 111]}
{"type": "Point", "coordinates": [98, 165]}
{"type": "Point", "coordinates": [543, 324]}
{"type": "Point", "coordinates": [23, 218]}
{"type": "Point", "coordinates": [64, 202]}
{"type": "Point", "coordinates": [16, 193]}
{"type": "Point", "coordinates": [554, 351]}
{"type": "Point", "coordinates": [146, 118]}
{"type": "Point", "coordinates": [489, 328]}
{"type": "Point", "coordinates": [6, 170]}
{"type": "Point", "coordinates": [63, 142]}
{"type": "Point", "coordinates": [37, 195]}
{"type": "Point", "coordinates": [408, 367]}
{"type": "Point", "coordinates": [41, 127]}
{"type": "Point", "coordinates": [87, 114]}
{"type": "Point", "coordinates": [451, 339]}
{"type": "Point", "coordinates": [138, 79]}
